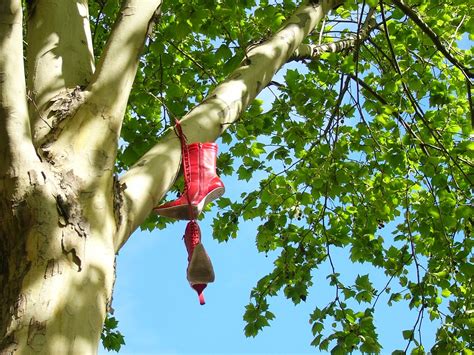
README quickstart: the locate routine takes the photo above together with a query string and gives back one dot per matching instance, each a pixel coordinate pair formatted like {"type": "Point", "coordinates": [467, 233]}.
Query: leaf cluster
{"type": "Point", "coordinates": [111, 338]}
{"type": "Point", "coordinates": [362, 156]}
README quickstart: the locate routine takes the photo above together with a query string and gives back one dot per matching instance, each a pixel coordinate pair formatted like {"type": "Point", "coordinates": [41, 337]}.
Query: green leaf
{"type": "Point", "coordinates": [112, 339]}
{"type": "Point", "coordinates": [339, 153]}
{"type": "Point", "coordinates": [419, 350]}
{"type": "Point", "coordinates": [407, 334]}
{"type": "Point", "coordinates": [446, 293]}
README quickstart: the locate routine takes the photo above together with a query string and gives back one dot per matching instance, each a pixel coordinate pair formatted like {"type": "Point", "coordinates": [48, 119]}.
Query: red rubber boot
{"type": "Point", "coordinates": [202, 185]}
{"type": "Point", "coordinates": [200, 271]}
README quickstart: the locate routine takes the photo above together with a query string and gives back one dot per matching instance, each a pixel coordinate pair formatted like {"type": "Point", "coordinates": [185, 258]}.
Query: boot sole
{"type": "Point", "coordinates": [183, 211]}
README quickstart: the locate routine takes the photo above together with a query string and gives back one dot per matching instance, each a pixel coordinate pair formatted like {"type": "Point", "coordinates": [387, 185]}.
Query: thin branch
{"type": "Point", "coordinates": [16, 147]}
{"type": "Point", "coordinates": [419, 280]}
{"type": "Point", "coordinates": [200, 67]}
{"type": "Point", "coordinates": [456, 32]}
{"type": "Point", "coordinates": [342, 91]}
{"type": "Point", "coordinates": [97, 19]}
{"type": "Point", "coordinates": [314, 51]}
{"type": "Point", "coordinates": [321, 32]}
{"type": "Point", "coordinates": [433, 36]}
{"type": "Point", "coordinates": [469, 99]}
{"type": "Point", "coordinates": [384, 102]}
{"type": "Point", "coordinates": [362, 117]}
{"type": "Point", "coordinates": [418, 110]}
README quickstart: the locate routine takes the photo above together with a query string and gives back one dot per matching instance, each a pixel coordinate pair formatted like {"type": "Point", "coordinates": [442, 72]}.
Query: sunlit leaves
{"type": "Point", "coordinates": [338, 181]}
{"type": "Point", "coordinates": [111, 338]}
{"type": "Point", "coordinates": [365, 152]}
{"type": "Point", "coordinates": [256, 318]}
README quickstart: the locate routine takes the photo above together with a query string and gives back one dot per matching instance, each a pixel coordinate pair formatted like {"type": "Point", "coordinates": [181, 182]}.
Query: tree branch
{"type": "Point", "coordinates": [59, 54]}
{"type": "Point", "coordinates": [314, 51]}
{"type": "Point", "coordinates": [433, 36]}
{"type": "Point", "coordinates": [94, 119]}
{"type": "Point", "coordinates": [400, 119]}
{"type": "Point", "coordinates": [116, 70]}
{"type": "Point", "coordinates": [15, 136]}
{"type": "Point", "coordinates": [152, 176]}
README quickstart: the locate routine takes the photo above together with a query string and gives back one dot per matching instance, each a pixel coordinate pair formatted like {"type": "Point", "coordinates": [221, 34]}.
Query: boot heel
{"type": "Point", "coordinates": [214, 195]}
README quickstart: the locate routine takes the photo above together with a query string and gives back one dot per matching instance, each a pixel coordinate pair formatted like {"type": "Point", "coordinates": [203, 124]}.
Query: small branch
{"type": "Point", "coordinates": [433, 36]}
{"type": "Point", "coordinates": [469, 99]}
{"type": "Point", "coordinates": [16, 147]}
{"type": "Point", "coordinates": [456, 32]}
{"type": "Point", "coordinates": [97, 19]}
{"type": "Point", "coordinates": [418, 110]}
{"type": "Point", "coordinates": [314, 51]}
{"type": "Point", "coordinates": [419, 280]}
{"type": "Point", "coordinates": [384, 102]}
{"type": "Point", "coordinates": [200, 67]}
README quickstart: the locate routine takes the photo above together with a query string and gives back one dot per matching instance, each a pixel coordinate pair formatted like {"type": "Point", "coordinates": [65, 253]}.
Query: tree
{"type": "Point", "coordinates": [374, 130]}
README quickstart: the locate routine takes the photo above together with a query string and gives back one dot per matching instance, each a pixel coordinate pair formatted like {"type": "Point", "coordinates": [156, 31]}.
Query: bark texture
{"type": "Point", "coordinates": [58, 205]}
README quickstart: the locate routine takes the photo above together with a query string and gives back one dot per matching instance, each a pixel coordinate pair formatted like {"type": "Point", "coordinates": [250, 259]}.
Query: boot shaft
{"type": "Point", "coordinates": [202, 183]}
{"type": "Point", "coordinates": [199, 165]}
{"type": "Point", "coordinates": [199, 162]}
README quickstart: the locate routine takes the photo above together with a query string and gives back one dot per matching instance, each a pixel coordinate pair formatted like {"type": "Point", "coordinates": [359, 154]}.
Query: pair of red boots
{"type": "Point", "coordinates": [202, 185]}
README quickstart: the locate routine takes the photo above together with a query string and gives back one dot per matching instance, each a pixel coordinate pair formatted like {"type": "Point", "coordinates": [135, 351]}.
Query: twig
{"type": "Point", "coordinates": [471, 105]}
{"type": "Point", "coordinates": [204, 70]}
{"type": "Point", "coordinates": [433, 36]}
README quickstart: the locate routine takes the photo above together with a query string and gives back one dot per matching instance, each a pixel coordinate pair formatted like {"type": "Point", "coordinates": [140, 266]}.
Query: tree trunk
{"type": "Point", "coordinates": [63, 215]}
{"type": "Point", "coordinates": [56, 261]}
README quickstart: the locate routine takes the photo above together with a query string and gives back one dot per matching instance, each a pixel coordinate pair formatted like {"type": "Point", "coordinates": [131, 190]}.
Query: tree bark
{"type": "Point", "coordinates": [57, 266]}
{"type": "Point", "coordinates": [57, 191]}
{"type": "Point", "coordinates": [59, 55]}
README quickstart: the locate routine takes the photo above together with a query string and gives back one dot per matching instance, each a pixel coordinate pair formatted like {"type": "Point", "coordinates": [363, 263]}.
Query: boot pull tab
{"type": "Point", "coordinates": [179, 132]}
{"type": "Point", "coordinates": [199, 288]}
{"type": "Point", "coordinates": [184, 151]}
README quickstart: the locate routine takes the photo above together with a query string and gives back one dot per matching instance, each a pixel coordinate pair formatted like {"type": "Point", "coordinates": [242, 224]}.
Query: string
{"type": "Point", "coordinates": [186, 160]}
{"type": "Point", "coordinates": [185, 153]}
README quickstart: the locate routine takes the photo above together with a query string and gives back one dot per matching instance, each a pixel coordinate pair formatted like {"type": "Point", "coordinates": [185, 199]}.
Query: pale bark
{"type": "Point", "coordinates": [58, 275]}
{"type": "Point", "coordinates": [314, 51]}
{"type": "Point", "coordinates": [15, 144]}
{"type": "Point", "coordinates": [116, 70]}
{"type": "Point", "coordinates": [58, 213]}
{"type": "Point", "coordinates": [92, 130]}
{"type": "Point", "coordinates": [151, 177]}
{"type": "Point", "coordinates": [59, 56]}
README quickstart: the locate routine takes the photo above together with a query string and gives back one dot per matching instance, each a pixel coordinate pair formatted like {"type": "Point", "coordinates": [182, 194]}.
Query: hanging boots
{"type": "Point", "coordinates": [202, 185]}
{"type": "Point", "coordinates": [200, 271]}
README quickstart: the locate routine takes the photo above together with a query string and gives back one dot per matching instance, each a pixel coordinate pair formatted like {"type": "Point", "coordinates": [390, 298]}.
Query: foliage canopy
{"type": "Point", "coordinates": [367, 149]}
